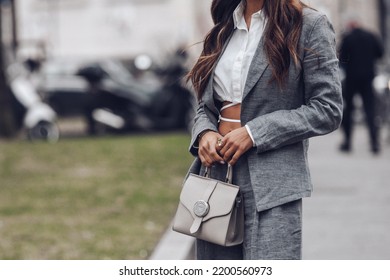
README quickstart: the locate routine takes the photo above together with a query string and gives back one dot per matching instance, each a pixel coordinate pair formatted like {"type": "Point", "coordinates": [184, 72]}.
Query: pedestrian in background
{"type": "Point", "coordinates": [359, 52]}
{"type": "Point", "coordinates": [266, 81]}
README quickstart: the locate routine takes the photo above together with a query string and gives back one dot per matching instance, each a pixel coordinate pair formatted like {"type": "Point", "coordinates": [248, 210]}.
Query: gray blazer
{"type": "Point", "coordinates": [282, 120]}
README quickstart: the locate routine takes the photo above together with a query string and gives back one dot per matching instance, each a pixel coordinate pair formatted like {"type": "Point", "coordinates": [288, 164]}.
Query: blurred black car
{"type": "Point", "coordinates": [112, 100]}
{"type": "Point", "coordinates": [62, 89]}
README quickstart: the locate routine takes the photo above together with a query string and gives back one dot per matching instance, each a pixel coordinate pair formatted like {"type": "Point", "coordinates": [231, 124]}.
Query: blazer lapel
{"type": "Point", "coordinates": [208, 97]}
{"type": "Point", "coordinates": [258, 65]}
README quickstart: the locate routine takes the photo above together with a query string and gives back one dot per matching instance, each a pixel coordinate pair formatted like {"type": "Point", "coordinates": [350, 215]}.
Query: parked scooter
{"type": "Point", "coordinates": [37, 118]}
{"type": "Point", "coordinates": [122, 103]}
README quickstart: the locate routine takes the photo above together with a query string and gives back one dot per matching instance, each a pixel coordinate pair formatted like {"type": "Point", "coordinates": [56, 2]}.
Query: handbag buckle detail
{"type": "Point", "coordinates": [201, 208]}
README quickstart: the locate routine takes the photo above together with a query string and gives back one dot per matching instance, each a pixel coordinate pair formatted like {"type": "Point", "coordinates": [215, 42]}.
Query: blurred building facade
{"type": "Point", "coordinates": [101, 28]}
{"type": "Point", "coordinates": [125, 28]}
{"type": "Point", "coordinates": [340, 11]}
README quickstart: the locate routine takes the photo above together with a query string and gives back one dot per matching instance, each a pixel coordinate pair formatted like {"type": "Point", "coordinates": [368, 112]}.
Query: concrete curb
{"type": "Point", "coordinates": [174, 246]}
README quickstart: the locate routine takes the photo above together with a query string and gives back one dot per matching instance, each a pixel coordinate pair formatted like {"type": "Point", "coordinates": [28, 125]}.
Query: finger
{"type": "Point", "coordinates": [209, 154]}
{"type": "Point", "coordinates": [205, 158]}
{"type": "Point", "coordinates": [235, 157]}
{"type": "Point", "coordinates": [234, 152]}
{"type": "Point", "coordinates": [225, 145]}
{"type": "Point", "coordinates": [202, 159]}
{"type": "Point", "coordinates": [206, 161]}
{"type": "Point", "coordinates": [214, 151]}
{"type": "Point", "coordinates": [214, 155]}
{"type": "Point", "coordinates": [228, 154]}
{"type": "Point", "coordinates": [214, 148]}
{"type": "Point", "coordinates": [228, 149]}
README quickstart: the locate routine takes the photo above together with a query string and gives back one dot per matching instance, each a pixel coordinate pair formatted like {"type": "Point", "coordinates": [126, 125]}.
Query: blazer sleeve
{"type": "Point", "coordinates": [202, 122]}
{"type": "Point", "coordinates": [321, 112]}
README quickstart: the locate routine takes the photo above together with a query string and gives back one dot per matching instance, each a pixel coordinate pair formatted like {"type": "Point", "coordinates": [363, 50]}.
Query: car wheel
{"type": "Point", "coordinates": [44, 130]}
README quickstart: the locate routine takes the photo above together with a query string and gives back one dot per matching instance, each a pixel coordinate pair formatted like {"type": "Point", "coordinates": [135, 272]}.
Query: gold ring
{"type": "Point", "coordinates": [219, 142]}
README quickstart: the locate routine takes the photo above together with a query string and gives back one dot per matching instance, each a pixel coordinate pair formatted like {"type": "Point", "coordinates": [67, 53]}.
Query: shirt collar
{"type": "Point", "coordinates": [238, 16]}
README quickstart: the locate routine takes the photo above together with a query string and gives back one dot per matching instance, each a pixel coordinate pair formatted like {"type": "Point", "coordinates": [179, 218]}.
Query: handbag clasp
{"type": "Point", "coordinates": [201, 208]}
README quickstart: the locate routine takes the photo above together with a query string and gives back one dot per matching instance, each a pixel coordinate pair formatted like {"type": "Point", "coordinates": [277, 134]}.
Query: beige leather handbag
{"type": "Point", "coordinates": [211, 210]}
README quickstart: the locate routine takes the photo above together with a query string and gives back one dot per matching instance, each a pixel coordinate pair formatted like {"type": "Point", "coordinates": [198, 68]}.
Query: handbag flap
{"type": "Point", "coordinates": [220, 201]}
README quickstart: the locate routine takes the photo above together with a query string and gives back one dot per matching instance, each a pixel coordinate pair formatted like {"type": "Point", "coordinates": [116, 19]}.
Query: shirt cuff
{"type": "Point", "coordinates": [250, 135]}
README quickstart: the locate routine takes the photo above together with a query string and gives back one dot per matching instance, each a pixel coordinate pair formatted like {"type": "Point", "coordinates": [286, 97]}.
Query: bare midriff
{"type": "Point", "coordinates": [229, 117]}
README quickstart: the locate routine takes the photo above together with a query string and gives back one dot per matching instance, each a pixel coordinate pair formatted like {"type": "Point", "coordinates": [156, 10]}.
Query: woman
{"type": "Point", "coordinates": [266, 81]}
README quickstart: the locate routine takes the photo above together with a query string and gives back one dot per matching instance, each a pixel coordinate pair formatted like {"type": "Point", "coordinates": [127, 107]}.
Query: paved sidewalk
{"type": "Point", "coordinates": [348, 215]}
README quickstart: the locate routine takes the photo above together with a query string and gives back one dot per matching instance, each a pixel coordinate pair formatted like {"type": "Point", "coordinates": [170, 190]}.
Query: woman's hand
{"type": "Point", "coordinates": [207, 152]}
{"type": "Point", "coordinates": [234, 145]}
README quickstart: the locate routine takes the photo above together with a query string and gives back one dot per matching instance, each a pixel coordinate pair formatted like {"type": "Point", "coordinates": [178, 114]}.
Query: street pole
{"type": "Point", "coordinates": [14, 27]}
{"type": "Point", "coordinates": [386, 15]}
{"type": "Point", "coordinates": [7, 124]}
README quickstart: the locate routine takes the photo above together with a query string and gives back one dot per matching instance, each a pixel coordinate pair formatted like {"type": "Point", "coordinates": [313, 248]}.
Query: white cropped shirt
{"type": "Point", "coordinates": [232, 68]}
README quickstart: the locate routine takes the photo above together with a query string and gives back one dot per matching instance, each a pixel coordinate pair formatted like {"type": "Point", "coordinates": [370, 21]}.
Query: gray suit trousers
{"type": "Point", "coordinates": [273, 234]}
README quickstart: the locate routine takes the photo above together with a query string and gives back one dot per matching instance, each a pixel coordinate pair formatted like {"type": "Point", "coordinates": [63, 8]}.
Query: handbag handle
{"type": "Point", "coordinates": [229, 174]}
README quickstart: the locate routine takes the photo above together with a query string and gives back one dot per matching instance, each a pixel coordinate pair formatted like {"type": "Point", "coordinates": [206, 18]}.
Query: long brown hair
{"type": "Point", "coordinates": [284, 25]}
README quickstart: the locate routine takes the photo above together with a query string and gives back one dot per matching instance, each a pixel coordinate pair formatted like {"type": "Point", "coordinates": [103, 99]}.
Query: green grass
{"type": "Point", "coordinates": [89, 198]}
